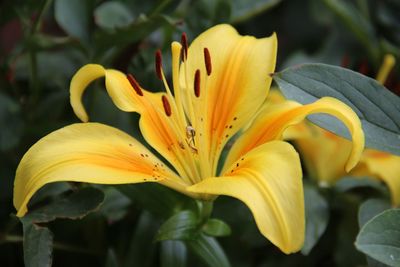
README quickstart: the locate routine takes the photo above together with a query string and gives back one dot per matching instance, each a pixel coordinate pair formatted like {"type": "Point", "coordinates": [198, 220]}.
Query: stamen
{"type": "Point", "coordinates": [159, 64]}
{"type": "Point", "coordinates": [387, 65]}
{"type": "Point", "coordinates": [207, 60]}
{"type": "Point", "coordinates": [197, 83]}
{"type": "Point", "coordinates": [184, 46]}
{"type": "Point", "coordinates": [134, 84]}
{"type": "Point", "coordinates": [167, 106]}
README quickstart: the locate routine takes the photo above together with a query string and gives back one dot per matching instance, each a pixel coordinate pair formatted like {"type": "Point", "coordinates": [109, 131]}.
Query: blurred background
{"type": "Point", "coordinates": [42, 44]}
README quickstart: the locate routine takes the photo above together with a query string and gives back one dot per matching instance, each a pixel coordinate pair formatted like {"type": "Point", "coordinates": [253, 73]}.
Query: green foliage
{"type": "Point", "coordinates": [215, 227]}
{"type": "Point", "coordinates": [38, 246]}
{"type": "Point", "coordinates": [181, 226]}
{"type": "Point", "coordinates": [317, 217]}
{"type": "Point", "coordinates": [380, 238]}
{"type": "Point", "coordinates": [209, 251]}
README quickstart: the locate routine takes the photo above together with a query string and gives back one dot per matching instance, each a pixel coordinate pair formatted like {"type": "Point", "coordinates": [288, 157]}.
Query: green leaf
{"type": "Point", "coordinates": [173, 253]}
{"type": "Point", "coordinates": [317, 217]}
{"type": "Point", "coordinates": [181, 226]}
{"type": "Point", "coordinates": [243, 10]}
{"type": "Point", "coordinates": [38, 246]}
{"type": "Point", "coordinates": [73, 16]}
{"type": "Point", "coordinates": [370, 208]}
{"type": "Point", "coordinates": [377, 107]}
{"type": "Point", "coordinates": [115, 204]}
{"type": "Point", "coordinates": [113, 14]}
{"type": "Point", "coordinates": [74, 206]}
{"type": "Point", "coordinates": [379, 238]}
{"type": "Point", "coordinates": [208, 250]}
{"type": "Point", "coordinates": [349, 183]}
{"type": "Point", "coordinates": [215, 227]}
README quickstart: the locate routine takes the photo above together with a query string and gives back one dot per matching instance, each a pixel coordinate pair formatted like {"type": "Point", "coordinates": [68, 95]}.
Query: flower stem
{"type": "Point", "coordinates": [205, 208]}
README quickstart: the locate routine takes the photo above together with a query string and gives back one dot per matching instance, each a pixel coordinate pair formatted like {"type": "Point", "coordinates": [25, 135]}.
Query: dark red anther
{"type": "Point", "coordinates": [184, 44]}
{"type": "Point", "coordinates": [159, 64]}
{"type": "Point", "coordinates": [207, 60]}
{"type": "Point", "coordinates": [167, 106]}
{"type": "Point", "coordinates": [134, 84]}
{"type": "Point", "coordinates": [197, 83]}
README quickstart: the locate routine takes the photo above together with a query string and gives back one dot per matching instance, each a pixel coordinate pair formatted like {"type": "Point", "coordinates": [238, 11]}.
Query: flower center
{"type": "Point", "coordinates": [186, 109]}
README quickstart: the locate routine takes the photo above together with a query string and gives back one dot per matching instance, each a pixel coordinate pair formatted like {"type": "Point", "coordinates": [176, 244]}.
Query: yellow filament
{"type": "Point", "coordinates": [387, 65]}
{"type": "Point", "coordinates": [176, 50]}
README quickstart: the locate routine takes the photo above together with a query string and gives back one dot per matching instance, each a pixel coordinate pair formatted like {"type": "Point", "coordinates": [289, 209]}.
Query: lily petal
{"type": "Point", "coordinates": [386, 167]}
{"type": "Point", "coordinates": [268, 180]}
{"type": "Point", "coordinates": [117, 86]}
{"type": "Point", "coordinates": [238, 84]}
{"type": "Point", "coordinates": [156, 127]}
{"type": "Point", "coordinates": [87, 152]}
{"type": "Point", "coordinates": [275, 119]}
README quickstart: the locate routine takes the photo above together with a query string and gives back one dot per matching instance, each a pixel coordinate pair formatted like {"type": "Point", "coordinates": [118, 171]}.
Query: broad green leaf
{"type": "Point", "coordinates": [73, 16]}
{"type": "Point", "coordinates": [115, 204]}
{"type": "Point", "coordinates": [379, 238]}
{"type": "Point", "coordinates": [181, 226]}
{"type": "Point", "coordinates": [38, 245]}
{"type": "Point", "coordinates": [10, 122]}
{"type": "Point", "coordinates": [317, 217]}
{"type": "Point", "coordinates": [215, 227]}
{"type": "Point", "coordinates": [173, 253]}
{"type": "Point", "coordinates": [349, 183]}
{"type": "Point", "coordinates": [208, 250]}
{"type": "Point", "coordinates": [370, 208]}
{"type": "Point", "coordinates": [377, 107]}
{"type": "Point", "coordinates": [113, 14]}
{"type": "Point", "coordinates": [74, 206]}
{"type": "Point", "coordinates": [243, 10]}
{"type": "Point", "coordinates": [367, 211]}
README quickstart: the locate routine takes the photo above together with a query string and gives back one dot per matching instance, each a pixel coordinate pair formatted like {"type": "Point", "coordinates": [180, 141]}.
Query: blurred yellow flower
{"type": "Point", "coordinates": [219, 85]}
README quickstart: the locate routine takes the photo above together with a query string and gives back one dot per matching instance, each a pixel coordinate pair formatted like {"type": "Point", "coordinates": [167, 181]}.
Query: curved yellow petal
{"type": "Point", "coordinates": [386, 167]}
{"type": "Point", "coordinates": [87, 152]}
{"type": "Point", "coordinates": [117, 85]}
{"type": "Point", "coordinates": [79, 83]}
{"type": "Point", "coordinates": [275, 119]}
{"type": "Point", "coordinates": [157, 128]}
{"type": "Point", "coordinates": [238, 83]}
{"type": "Point", "coordinates": [268, 180]}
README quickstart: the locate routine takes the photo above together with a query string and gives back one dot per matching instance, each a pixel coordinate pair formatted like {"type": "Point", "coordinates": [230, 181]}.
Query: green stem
{"type": "Point", "coordinates": [206, 208]}
{"type": "Point", "coordinates": [42, 11]}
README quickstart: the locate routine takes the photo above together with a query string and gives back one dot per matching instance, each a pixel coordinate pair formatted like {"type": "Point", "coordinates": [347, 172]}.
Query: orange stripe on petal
{"type": "Point", "coordinates": [89, 152]}
{"type": "Point", "coordinates": [275, 119]}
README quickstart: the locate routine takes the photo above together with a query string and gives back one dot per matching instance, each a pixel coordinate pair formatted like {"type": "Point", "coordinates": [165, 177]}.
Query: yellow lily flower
{"type": "Point", "coordinates": [218, 88]}
{"type": "Point", "coordinates": [325, 153]}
